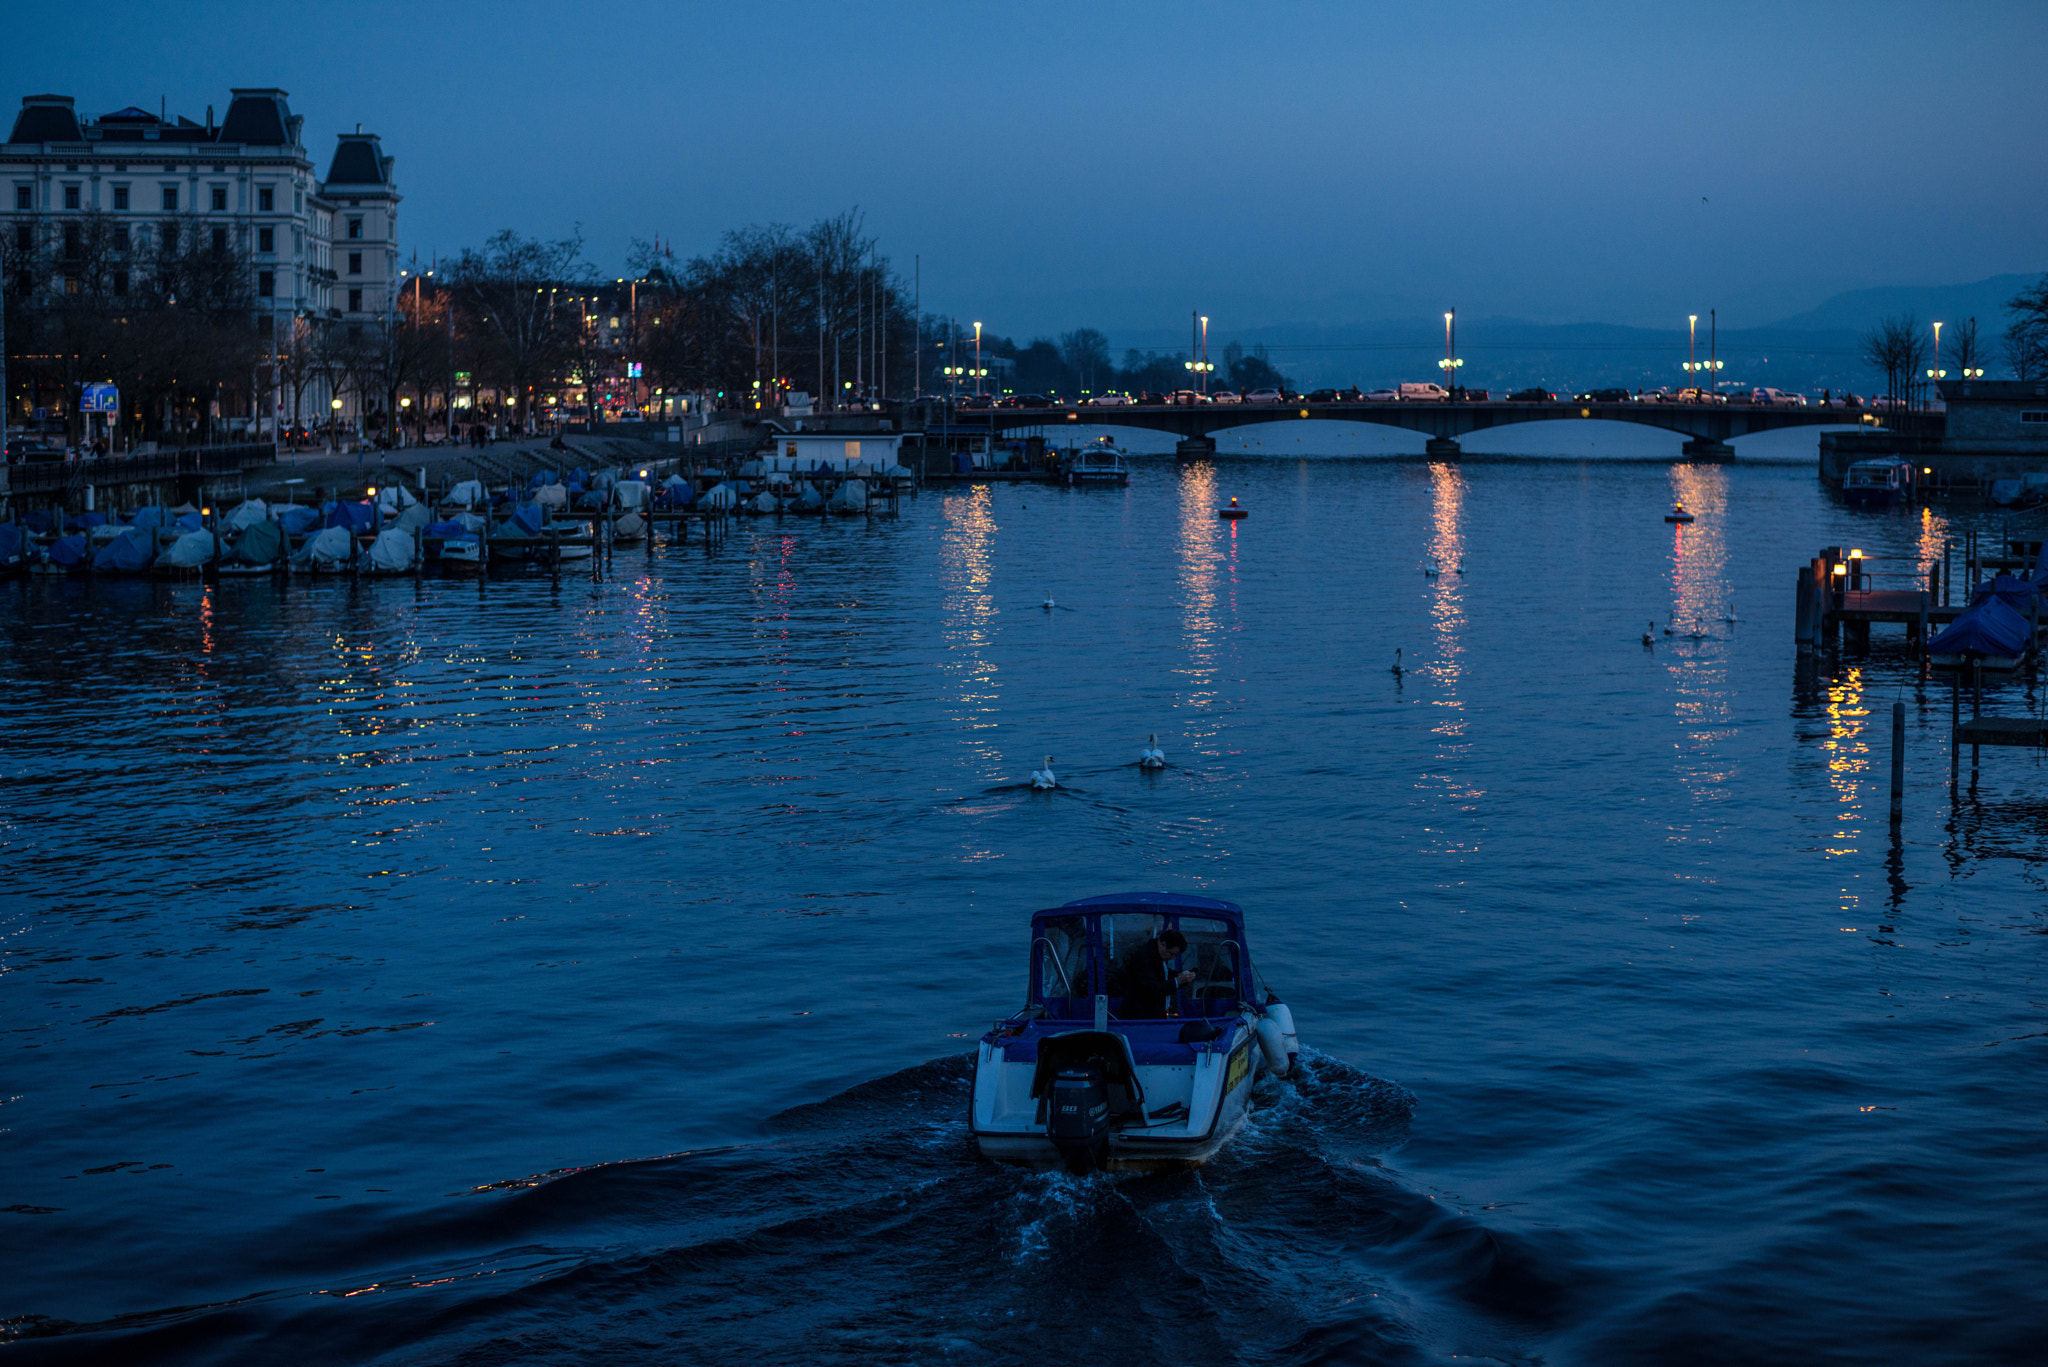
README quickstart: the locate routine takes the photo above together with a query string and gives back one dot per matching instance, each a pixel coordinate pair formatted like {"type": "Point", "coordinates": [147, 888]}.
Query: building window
{"type": "Point", "coordinates": [23, 282]}
{"type": "Point", "coordinates": [71, 244]}
{"type": "Point", "coordinates": [120, 282]}
{"type": "Point", "coordinates": [220, 241]}
{"type": "Point", "coordinates": [170, 199]}
{"type": "Point", "coordinates": [170, 235]}
{"type": "Point", "coordinates": [2031, 416]}
{"type": "Point", "coordinates": [71, 284]}
{"type": "Point", "coordinates": [266, 239]}
{"type": "Point", "coordinates": [121, 242]}
{"type": "Point", "coordinates": [24, 198]}
{"type": "Point", "coordinates": [355, 263]}
{"type": "Point", "coordinates": [71, 196]}
{"type": "Point", "coordinates": [298, 241]}
{"type": "Point", "coordinates": [355, 301]}
{"type": "Point", "coordinates": [24, 237]}
{"type": "Point", "coordinates": [121, 197]}
{"type": "Point", "coordinates": [266, 284]}
{"type": "Point", "coordinates": [355, 227]}
{"type": "Point", "coordinates": [298, 201]}
{"type": "Point", "coordinates": [264, 199]}
{"type": "Point", "coordinates": [220, 199]}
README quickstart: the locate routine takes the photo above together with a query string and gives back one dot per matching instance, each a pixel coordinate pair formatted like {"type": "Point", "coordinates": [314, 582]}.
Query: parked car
{"type": "Point", "coordinates": [1225, 396]}
{"type": "Point", "coordinates": [1325, 396]}
{"type": "Point", "coordinates": [1428, 392]}
{"type": "Point", "coordinates": [1109, 400]}
{"type": "Point", "coordinates": [1383, 396]}
{"type": "Point", "coordinates": [1532, 396]}
{"type": "Point", "coordinates": [1263, 396]}
{"type": "Point", "coordinates": [1187, 398]}
{"type": "Point", "coordinates": [1697, 395]}
{"type": "Point", "coordinates": [1024, 401]}
{"type": "Point", "coordinates": [1776, 398]}
{"type": "Point", "coordinates": [1476, 395]}
{"type": "Point", "coordinates": [1608, 396]}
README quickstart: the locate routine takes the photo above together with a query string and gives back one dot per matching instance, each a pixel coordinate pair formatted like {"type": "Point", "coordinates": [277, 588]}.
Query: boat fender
{"type": "Point", "coordinates": [1273, 1045]}
{"type": "Point", "coordinates": [1278, 1013]}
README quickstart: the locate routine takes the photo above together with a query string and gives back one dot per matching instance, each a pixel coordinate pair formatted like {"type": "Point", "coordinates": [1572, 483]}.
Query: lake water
{"type": "Point", "coordinates": [587, 971]}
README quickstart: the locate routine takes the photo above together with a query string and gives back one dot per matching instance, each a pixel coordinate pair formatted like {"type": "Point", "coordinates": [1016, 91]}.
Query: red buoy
{"type": "Point", "coordinates": [1233, 512]}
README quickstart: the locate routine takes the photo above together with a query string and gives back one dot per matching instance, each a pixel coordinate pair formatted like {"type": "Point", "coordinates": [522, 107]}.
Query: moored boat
{"type": "Point", "coordinates": [1882, 481]}
{"type": "Point", "coordinates": [1098, 1072]}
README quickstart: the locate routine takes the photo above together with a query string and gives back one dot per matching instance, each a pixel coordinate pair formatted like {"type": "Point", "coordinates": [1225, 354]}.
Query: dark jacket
{"type": "Point", "coordinates": [1145, 982]}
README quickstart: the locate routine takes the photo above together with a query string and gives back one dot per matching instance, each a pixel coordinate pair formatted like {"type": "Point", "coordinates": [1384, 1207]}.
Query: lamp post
{"type": "Point", "coordinates": [1450, 362]}
{"type": "Point", "coordinates": [1937, 358]}
{"type": "Point", "coordinates": [977, 360]}
{"type": "Point", "coordinates": [1692, 330]}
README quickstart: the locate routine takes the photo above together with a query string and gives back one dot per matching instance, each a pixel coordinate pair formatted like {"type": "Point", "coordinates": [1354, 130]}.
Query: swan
{"type": "Point", "coordinates": [1461, 567]}
{"type": "Point", "coordinates": [1395, 670]}
{"type": "Point", "coordinates": [1043, 778]}
{"type": "Point", "coordinates": [1696, 634]}
{"type": "Point", "coordinates": [1431, 570]}
{"type": "Point", "coordinates": [1649, 637]}
{"type": "Point", "coordinates": [1731, 614]}
{"type": "Point", "coordinates": [1048, 604]}
{"type": "Point", "coordinates": [1151, 757]}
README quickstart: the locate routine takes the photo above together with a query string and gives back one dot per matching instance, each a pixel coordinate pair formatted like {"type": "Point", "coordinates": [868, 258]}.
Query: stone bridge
{"type": "Point", "coordinates": [1708, 427]}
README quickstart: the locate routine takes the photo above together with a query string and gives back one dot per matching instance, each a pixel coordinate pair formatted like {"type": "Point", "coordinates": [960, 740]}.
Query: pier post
{"type": "Point", "coordinates": [1898, 763]}
{"type": "Point", "coordinates": [1955, 730]}
{"type": "Point", "coordinates": [1925, 598]}
{"type": "Point", "coordinates": [1802, 611]}
{"type": "Point", "coordinates": [1443, 447]}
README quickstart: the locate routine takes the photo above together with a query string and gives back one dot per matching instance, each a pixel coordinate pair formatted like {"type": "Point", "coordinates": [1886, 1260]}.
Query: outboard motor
{"type": "Point", "coordinates": [1077, 1121]}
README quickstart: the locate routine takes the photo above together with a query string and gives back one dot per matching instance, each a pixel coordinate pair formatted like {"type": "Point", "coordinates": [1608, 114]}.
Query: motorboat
{"type": "Point", "coordinates": [1885, 480]}
{"type": "Point", "coordinates": [1099, 462]}
{"type": "Point", "coordinates": [1678, 513]}
{"type": "Point", "coordinates": [1091, 1076]}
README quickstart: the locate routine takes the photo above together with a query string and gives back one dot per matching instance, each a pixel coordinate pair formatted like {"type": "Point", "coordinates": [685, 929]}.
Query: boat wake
{"type": "Point", "coordinates": [865, 1229]}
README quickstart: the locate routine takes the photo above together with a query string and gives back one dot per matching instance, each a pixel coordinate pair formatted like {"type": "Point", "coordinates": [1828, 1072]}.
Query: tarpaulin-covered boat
{"type": "Point", "coordinates": [1144, 1029]}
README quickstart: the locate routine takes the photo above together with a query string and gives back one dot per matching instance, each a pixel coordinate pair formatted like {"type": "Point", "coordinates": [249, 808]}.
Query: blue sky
{"type": "Point", "coordinates": [1056, 165]}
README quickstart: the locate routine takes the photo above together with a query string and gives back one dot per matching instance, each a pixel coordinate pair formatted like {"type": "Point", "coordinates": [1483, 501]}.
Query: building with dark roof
{"type": "Point", "coordinates": [318, 251]}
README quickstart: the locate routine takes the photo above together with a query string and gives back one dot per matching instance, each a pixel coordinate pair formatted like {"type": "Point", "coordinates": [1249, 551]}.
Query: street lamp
{"type": "Point", "coordinates": [977, 360]}
{"type": "Point", "coordinates": [1692, 332]}
{"type": "Point", "coordinates": [1450, 363]}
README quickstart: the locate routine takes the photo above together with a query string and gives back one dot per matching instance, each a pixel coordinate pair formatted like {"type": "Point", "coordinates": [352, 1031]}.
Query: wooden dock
{"type": "Point", "coordinates": [2002, 731]}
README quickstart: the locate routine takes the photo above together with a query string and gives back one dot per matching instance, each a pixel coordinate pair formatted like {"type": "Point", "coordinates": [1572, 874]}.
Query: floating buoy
{"type": "Point", "coordinates": [1233, 512]}
{"type": "Point", "coordinates": [1678, 514]}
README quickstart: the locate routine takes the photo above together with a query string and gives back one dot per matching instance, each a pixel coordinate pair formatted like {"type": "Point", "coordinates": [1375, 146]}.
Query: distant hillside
{"type": "Point", "coordinates": [1858, 310]}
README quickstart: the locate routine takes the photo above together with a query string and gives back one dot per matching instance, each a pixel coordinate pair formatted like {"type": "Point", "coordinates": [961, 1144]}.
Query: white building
{"type": "Point", "coordinates": [321, 251]}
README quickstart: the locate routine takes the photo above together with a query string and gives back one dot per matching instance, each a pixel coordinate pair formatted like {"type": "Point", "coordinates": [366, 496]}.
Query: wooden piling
{"type": "Point", "coordinates": [1924, 600]}
{"type": "Point", "coordinates": [1898, 763]}
{"type": "Point", "coordinates": [1802, 610]}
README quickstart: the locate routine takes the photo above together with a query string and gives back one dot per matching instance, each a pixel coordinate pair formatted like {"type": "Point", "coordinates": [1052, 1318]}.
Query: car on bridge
{"type": "Point", "coordinates": [1225, 396]}
{"type": "Point", "coordinates": [1696, 395]}
{"type": "Point", "coordinates": [1263, 396]}
{"type": "Point", "coordinates": [1326, 396]}
{"type": "Point", "coordinates": [1109, 400]}
{"type": "Point", "coordinates": [1427, 392]}
{"type": "Point", "coordinates": [1608, 396]}
{"type": "Point", "coordinates": [1024, 401]}
{"type": "Point", "coordinates": [1186, 398]}
{"type": "Point", "coordinates": [1382, 396]}
{"type": "Point", "coordinates": [1532, 396]}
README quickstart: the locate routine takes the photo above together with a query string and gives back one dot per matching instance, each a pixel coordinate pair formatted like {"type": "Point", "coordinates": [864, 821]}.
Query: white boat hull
{"type": "Point", "coordinates": [1215, 1092]}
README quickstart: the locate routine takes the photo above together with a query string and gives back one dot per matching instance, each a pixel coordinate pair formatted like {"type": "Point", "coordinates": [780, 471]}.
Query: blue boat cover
{"type": "Point", "coordinates": [356, 517]}
{"type": "Point", "coordinates": [132, 550]}
{"type": "Point", "coordinates": [77, 523]}
{"type": "Point", "coordinates": [299, 518]}
{"type": "Point", "coordinates": [525, 520]}
{"type": "Point", "coordinates": [38, 519]}
{"type": "Point", "coordinates": [13, 542]}
{"type": "Point", "coordinates": [542, 478]}
{"type": "Point", "coordinates": [448, 529]}
{"type": "Point", "coordinates": [2005, 491]}
{"type": "Point", "coordinates": [1992, 627]}
{"type": "Point", "coordinates": [147, 517]}
{"type": "Point", "coordinates": [2011, 590]}
{"type": "Point", "coordinates": [69, 551]}
{"type": "Point", "coordinates": [191, 522]}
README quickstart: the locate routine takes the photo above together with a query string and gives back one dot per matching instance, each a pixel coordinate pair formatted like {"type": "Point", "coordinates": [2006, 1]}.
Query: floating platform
{"type": "Point", "coordinates": [2002, 731]}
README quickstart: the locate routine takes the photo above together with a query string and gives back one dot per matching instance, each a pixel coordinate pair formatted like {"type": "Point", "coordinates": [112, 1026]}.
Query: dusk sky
{"type": "Point", "coordinates": [1119, 165]}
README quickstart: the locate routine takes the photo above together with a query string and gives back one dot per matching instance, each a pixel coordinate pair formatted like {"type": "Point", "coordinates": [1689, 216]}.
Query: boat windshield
{"type": "Point", "coordinates": [1212, 954]}
{"type": "Point", "coordinates": [1061, 958]}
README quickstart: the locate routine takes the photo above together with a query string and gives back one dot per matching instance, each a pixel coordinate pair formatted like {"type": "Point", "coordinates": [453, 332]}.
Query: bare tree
{"type": "Point", "coordinates": [2026, 336]}
{"type": "Point", "coordinates": [509, 290]}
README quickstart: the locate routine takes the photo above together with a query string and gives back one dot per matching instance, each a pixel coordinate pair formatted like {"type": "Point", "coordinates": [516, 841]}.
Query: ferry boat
{"type": "Point", "coordinates": [1884, 480]}
{"type": "Point", "coordinates": [1099, 462]}
{"type": "Point", "coordinates": [1095, 1073]}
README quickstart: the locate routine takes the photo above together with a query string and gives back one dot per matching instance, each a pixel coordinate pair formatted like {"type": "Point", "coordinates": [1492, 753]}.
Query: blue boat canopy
{"type": "Point", "coordinates": [1992, 627]}
{"type": "Point", "coordinates": [1080, 951]}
